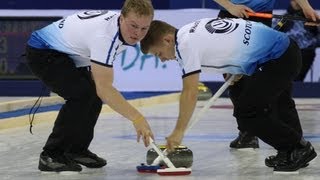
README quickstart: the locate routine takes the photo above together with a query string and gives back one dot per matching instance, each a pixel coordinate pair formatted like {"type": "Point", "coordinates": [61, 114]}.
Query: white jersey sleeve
{"type": "Point", "coordinates": [189, 62]}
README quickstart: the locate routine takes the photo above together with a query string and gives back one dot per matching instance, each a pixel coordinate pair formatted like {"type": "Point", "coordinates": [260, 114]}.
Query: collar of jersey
{"type": "Point", "coordinates": [176, 43]}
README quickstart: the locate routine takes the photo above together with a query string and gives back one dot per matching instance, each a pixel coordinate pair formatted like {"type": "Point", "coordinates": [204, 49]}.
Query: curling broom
{"type": "Point", "coordinates": [286, 17]}
{"type": "Point", "coordinates": [153, 167]}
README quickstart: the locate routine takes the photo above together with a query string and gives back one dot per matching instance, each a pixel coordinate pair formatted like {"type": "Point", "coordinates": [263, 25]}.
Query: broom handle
{"type": "Point", "coordinates": [193, 121]}
{"type": "Point", "coordinates": [210, 102]}
{"type": "Point", "coordinates": [160, 153]}
{"type": "Point", "coordinates": [288, 17]}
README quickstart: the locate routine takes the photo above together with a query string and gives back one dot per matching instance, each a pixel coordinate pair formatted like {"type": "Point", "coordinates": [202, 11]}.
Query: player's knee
{"type": "Point", "coordinates": [251, 117]}
{"type": "Point", "coordinates": [252, 111]}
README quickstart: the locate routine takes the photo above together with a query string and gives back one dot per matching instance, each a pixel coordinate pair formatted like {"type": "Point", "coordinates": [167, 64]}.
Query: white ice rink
{"type": "Point", "coordinates": [115, 140]}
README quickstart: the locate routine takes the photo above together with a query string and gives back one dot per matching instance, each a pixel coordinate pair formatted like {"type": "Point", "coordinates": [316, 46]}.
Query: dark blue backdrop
{"type": "Point", "coordinates": [116, 4]}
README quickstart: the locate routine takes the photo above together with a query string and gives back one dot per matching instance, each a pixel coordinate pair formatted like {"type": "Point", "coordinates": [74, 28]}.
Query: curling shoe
{"type": "Point", "coordinates": [88, 159]}
{"type": "Point", "coordinates": [244, 140]}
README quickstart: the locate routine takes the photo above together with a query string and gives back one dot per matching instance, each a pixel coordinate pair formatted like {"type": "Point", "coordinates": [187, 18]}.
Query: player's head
{"type": "Point", "coordinates": [135, 19]}
{"type": "Point", "coordinates": [160, 40]}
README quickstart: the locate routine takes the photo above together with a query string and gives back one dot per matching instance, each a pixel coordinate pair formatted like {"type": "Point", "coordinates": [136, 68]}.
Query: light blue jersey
{"type": "Point", "coordinates": [256, 5]}
{"type": "Point", "coordinates": [85, 36]}
{"type": "Point", "coordinates": [234, 46]}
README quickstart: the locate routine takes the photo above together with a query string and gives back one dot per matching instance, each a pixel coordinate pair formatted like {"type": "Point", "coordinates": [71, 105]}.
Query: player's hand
{"type": "Point", "coordinates": [310, 13]}
{"type": "Point", "coordinates": [240, 11]}
{"type": "Point", "coordinates": [143, 131]}
{"type": "Point", "coordinates": [237, 77]}
{"type": "Point", "coordinates": [174, 140]}
{"type": "Point", "coordinates": [312, 24]}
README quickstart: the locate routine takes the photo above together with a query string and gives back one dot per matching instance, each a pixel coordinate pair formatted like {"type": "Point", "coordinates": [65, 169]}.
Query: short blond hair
{"type": "Point", "coordinates": [157, 30]}
{"type": "Point", "coordinates": [140, 7]}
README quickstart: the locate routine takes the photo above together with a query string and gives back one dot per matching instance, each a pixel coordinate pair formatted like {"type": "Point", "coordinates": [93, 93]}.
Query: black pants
{"type": "Point", "coordinates": [263, 104]}
{"type": "Point", "coordinates": [235, 90]}
{"type": "Point", "coordinates": [308, 56]}
{"type": "Point", "coordinates": [74, 127]}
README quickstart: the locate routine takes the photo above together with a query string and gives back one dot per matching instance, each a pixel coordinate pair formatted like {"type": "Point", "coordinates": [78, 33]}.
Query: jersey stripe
{"type": "Point", "coordinates": [111, 47]}
{"type": "Point", "coordinates": [190, 73]}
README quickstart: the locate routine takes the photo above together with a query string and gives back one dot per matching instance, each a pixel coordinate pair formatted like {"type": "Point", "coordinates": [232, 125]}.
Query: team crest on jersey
{"type": "Point", "coordinates": [221, 26]}
{"type": "Point", "coordinates": [92, 14]}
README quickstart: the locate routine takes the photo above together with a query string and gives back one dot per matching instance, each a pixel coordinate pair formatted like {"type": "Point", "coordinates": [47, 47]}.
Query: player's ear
{"type": "Point", "coordinates": [121, 18]}
{"type": "Point", "coordinates": [168, 38]}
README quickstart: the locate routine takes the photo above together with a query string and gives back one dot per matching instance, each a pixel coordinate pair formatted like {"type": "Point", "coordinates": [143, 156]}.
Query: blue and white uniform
{"type": "Point", "coordinates": [98, 39]}
{"type": "Point", "coordinates": [232, 46]}
{"type": "Point", "coordinates": [256, 5]}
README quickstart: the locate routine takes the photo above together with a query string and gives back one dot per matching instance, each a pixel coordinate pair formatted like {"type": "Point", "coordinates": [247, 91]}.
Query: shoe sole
{"type": "Point", "coordinates": [245, 150]}
{"type": "Point", "coordinates": [285, 172]}
{"type": "Point", "coordinates": [61, 172]}
{"type": "Point", "coordinates": [245, 147]}
{"type": "Point", "coordinates": [272, 166]}
{"type": "Point", "coordinates": [90, 165]}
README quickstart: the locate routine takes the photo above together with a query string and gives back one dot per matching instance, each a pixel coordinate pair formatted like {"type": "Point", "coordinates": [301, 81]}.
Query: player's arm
{"type": "Point", "coordinates": [188, 100]}
{"type": "Point", "coordinates": [235, 9]}
{"type": "Point", "coordinates": [103, 78]}
{"type": "Point", "coordinates": [307, 9]}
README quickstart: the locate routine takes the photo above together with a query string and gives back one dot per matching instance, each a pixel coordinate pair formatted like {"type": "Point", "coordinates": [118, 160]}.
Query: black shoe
{"type": "Point", "coordinates": [54, 162]}
{"type": "Point", "coordinates": [298, 158]}
{"type": "Point", "coordinates": [273, 160]}
{"type": "Point", "coordinates": [88, 159]}
{"type": "Point", "coordinates": [281, 156]}
{"type": "Point", "coordinates": [244, 140]}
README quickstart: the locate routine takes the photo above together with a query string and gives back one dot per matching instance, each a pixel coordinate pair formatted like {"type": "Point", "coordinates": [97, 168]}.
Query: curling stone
{"type": "Point", "coordinates": [204, 93]}
{"type": "Point", "coordinates": [181, 157]}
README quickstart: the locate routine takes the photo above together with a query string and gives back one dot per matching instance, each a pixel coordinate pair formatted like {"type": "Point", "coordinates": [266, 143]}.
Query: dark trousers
{"type": "Point", "coordinates": [308, 56]}
{"type": "Point", "coordinates": [263, 104]}
{"type": "Point", "coordinates": [74, 127]}
{"type": "Point", "coordinates": [235, 90]}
